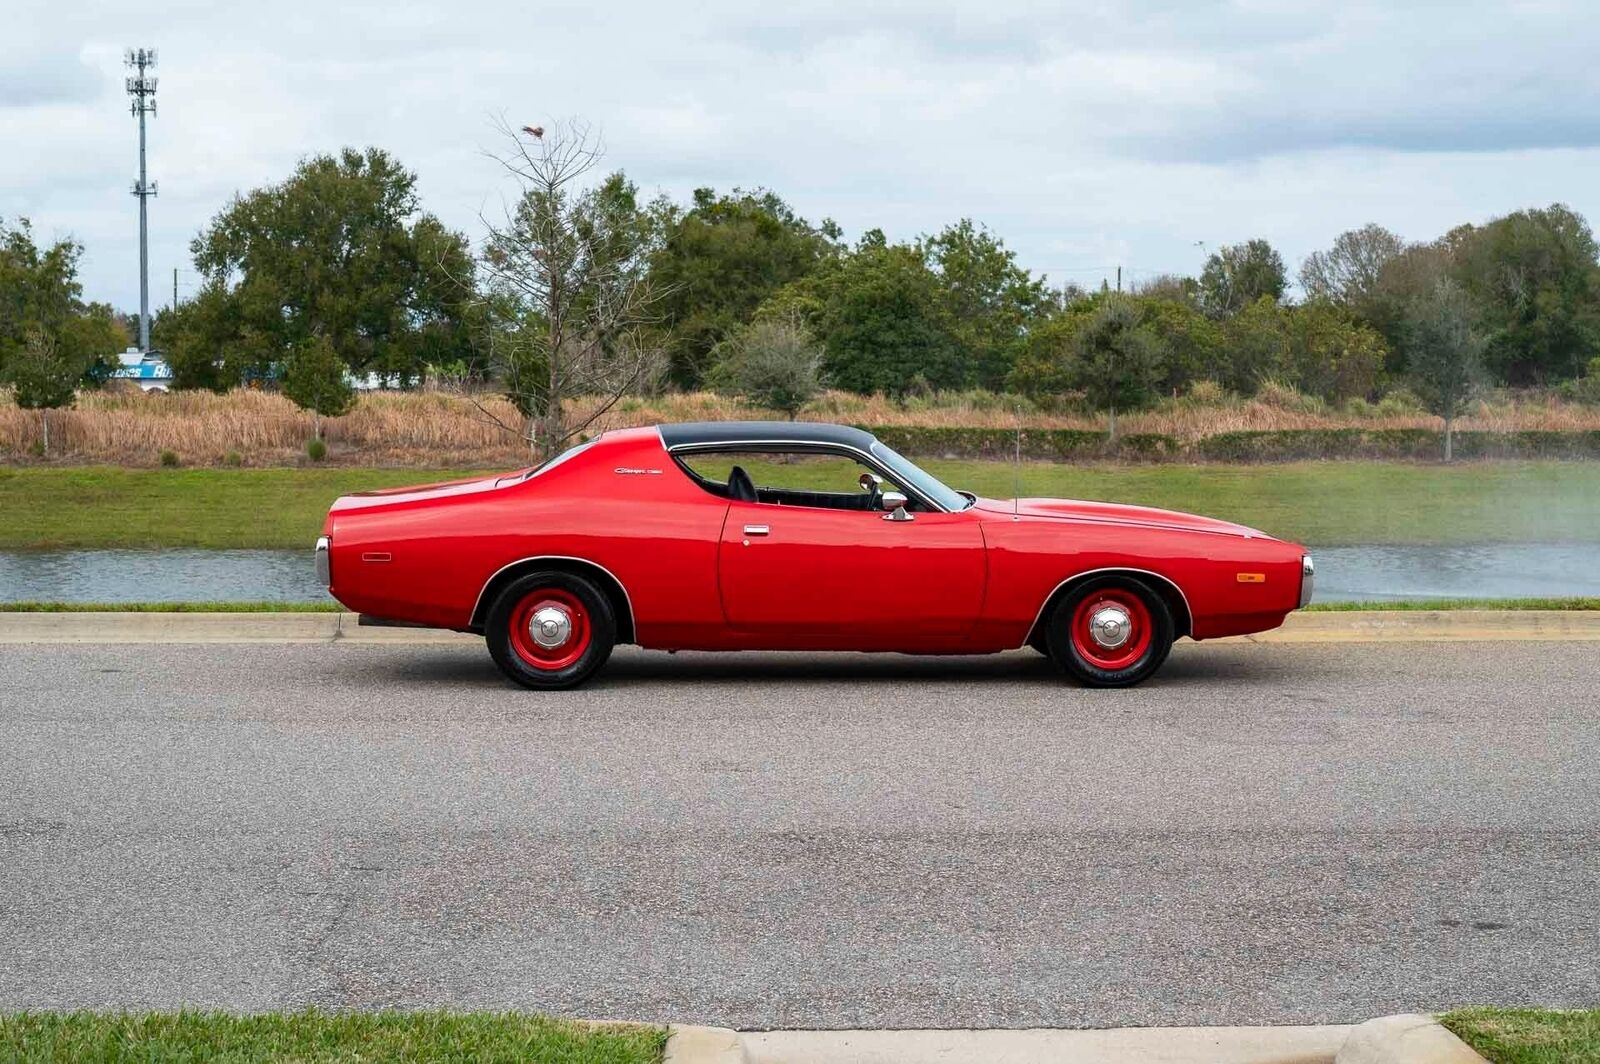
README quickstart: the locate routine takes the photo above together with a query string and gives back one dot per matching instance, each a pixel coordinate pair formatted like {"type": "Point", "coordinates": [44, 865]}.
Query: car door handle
{"type": "Point", "coordinates": [756, 530]}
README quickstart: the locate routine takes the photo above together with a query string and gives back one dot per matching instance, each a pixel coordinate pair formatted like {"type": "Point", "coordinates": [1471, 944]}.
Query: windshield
{"type": "Point", "coordinates": [908, 474]}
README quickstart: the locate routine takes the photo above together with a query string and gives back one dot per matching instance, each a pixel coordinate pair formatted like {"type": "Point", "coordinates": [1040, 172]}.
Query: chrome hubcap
{"type": "Point", "coordinates": [550, 626]}
{"type": "Point", "coordinates": [1110, 627]}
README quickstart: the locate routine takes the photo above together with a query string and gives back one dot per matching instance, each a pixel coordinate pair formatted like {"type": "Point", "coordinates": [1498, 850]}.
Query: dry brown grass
{"type": "Point", "coordinates": [440, 428]}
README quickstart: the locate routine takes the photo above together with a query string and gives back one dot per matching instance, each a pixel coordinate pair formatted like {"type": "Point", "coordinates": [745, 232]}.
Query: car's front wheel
{"type": "Point", "coordinates": [551, 630]}
{"type": "Point", "coordinates": [1113, 631]}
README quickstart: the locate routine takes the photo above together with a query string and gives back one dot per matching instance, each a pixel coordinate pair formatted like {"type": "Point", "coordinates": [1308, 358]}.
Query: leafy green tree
{"type": "Point", "coordinates": [1330, 353]}
{"type": "Point", "coordinates": [883, 322]}
{"type": "Point", "coordinates": [1105, 351]}
{"type": "Point", "coordinates": [774, 363]}
{"type": "Point", "coordinates": [1445, 353]}
{"type": "Point", "coordinates": [1534, 280]}
{"type": "Point", "coordinates": [1194, 347]}
{"type": "Point", "coordinates": [340, 250]}
{"type": "Point", "coordinates": [42, 313]}
{"type": "Point", "coordinates": [720, 260]}
{"type": "Point", "coordinates": [1258, 345]}
{"type": "Point", "coordinates": [315, 379]}
{"type": "Point", "coordinates": [989, 299]}
{"type": "Point", "coordinates": [1239, 275]}
{"type": "Point", "coordinates": [43, 376]}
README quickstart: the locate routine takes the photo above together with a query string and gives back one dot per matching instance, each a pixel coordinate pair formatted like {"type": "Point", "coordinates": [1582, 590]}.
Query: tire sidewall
{"type": "Point", "coordinates": [602, 630]}
{"type": "Point", "coordinates": [1064, 652]}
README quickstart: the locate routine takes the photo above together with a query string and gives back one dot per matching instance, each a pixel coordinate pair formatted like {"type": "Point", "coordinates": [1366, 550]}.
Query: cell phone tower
{"type": "Point", "coordinates": [142, 87]}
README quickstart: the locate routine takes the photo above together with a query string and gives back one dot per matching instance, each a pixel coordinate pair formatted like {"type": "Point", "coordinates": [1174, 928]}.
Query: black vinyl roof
{"type": "Point", "coordinates": [740, 433]}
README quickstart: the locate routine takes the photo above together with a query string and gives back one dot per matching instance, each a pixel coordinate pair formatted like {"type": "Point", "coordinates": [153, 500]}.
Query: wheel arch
{"type": "Point", "coordinates": [1177, 602]}
{"type": "Point", "coordinates": [603, 578]}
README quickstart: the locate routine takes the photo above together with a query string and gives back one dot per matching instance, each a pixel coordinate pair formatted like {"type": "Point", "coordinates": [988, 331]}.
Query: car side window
{"type": "Point", "coordinates": [817, 479]}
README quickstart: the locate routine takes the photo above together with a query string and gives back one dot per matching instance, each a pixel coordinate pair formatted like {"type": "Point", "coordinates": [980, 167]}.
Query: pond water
{"type": "Point", "coordinates": [1344, 574]}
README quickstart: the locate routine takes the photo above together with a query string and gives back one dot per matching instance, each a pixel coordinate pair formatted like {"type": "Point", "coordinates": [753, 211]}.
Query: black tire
{"type": "Point", "coordinates": [1080, 663]}
{"type": "Point", "coordinates": [522, 659]}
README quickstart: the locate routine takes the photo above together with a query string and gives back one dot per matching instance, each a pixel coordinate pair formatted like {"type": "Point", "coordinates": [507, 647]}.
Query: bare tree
{"type": "Point", "coordinates": [1348, 272]}
{"type": "Point", "coordinates": [568, 284]}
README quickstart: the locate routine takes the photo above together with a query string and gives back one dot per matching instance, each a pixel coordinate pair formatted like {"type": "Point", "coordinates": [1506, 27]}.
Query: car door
{"type": "Point", "coordinates": [850, 578]}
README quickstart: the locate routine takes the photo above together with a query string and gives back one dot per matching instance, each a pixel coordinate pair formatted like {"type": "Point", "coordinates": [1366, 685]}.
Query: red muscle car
{"type": "Point", "coordinates": [792, 536]}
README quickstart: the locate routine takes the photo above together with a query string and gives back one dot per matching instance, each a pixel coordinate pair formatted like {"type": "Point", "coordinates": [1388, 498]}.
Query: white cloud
{"type": "Point", "coordinates": [1085, 134]}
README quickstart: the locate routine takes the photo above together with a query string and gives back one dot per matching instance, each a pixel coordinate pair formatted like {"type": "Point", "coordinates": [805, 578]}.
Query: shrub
{"type": "Point", "coordinates": [232, 458]}
{"type": "Point", "coordinates": [1207, 393]}
{"type": "Point", "coordinates": [36, 448]}
{"type": "Point", "coordinates": [169, 459]}
{"type": "Point", "coordinates": [1287, 397]}
{"type": "Point", "coordinates": [316, 450]}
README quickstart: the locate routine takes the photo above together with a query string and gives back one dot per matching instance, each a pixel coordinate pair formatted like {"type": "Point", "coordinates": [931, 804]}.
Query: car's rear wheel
{"type": "Point", "coordinates": [1113, 631]}
{"type": "Point", "coordinates": [551, 630]}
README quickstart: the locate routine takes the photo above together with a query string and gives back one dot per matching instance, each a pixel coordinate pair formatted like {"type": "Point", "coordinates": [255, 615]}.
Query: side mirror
{"type": "Point", "coordinates": [870, 482]}
{"type": "Point", "coordinates": [893, 500]}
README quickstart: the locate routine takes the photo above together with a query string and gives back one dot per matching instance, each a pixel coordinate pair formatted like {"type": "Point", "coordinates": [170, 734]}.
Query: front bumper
{"type": "Point", "coordinates": [1308, 580]}
{"type": "Point", "coordinates": [324, 573]}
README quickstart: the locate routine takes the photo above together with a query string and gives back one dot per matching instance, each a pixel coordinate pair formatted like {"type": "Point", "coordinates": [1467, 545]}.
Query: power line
{"type": "Point", "coordinates": [141, 86]}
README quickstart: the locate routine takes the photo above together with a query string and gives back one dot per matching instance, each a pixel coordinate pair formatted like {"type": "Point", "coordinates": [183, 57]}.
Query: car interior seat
{"type": "Point", "coordinates": [740, 486]}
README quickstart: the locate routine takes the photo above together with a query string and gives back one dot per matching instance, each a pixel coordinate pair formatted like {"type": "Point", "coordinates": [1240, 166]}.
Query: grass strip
{"type": "Point", "coordinates": [1529, 1036]}
{"type": "Point", "coordinates": [1317, 503]}
{"type": "Point", "coordinates": [1459, 604]}
{"type": "Point", "coordinates": [314, 1037]}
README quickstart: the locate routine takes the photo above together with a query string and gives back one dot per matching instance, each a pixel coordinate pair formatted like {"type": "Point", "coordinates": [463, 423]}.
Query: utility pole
{"type": "Point", "coordinates": [142, 87]}
{"type": "Point", "coordinates": [174, 288]}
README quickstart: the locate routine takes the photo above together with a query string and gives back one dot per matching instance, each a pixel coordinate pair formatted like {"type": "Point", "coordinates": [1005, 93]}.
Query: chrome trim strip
{"type": "Point", "coordinates": [324, 575]}
{"type": "Point", "coordinates": [1039, 617]}
{"type": "Point", "coordinates": [627, 598]}
{"type": "Point", "coordinates": [870, 460]}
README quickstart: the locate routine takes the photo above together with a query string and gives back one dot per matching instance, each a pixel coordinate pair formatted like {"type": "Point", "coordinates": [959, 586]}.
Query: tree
{"type": "Point", "coordinates": [43, 376]}
{"type": "Point", "coordinates": [42, 309]}
{"type": "Point", "coordinates": [340, 250]}
{"type": "Point", "coordinates": [1258, 346]}
{"type": "Point", "coordinates": [1104, 351]}
{"type": "Point", "coordinates": [1237, 275]}
{"type": "Point", "coordinates": [1330, 353]}
{"type": "Point", "coordinates": [1349, 272]}
{"type": "Point", "coordinates": [1445, 352]}
{"type": "Point", "coordinates": [718, 262]}
{"type": "Point", "coordinates": [774, 363]}
{"type": "Point", "coordinates": [1534, 279]}
{"type": "Point", "coordinates": [314, 379]}
{"type": "Point", "coordinates": [883, 322]}
{"type": "Point", "coordinates": [571, 265]}
{"type": "Point", "coordinates": [990, 300]}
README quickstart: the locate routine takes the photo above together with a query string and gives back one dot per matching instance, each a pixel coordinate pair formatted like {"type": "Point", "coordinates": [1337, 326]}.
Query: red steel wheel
{"type": "Point", "coordinates": [1109, 631]}
{"type": "Point", "coordinates": [1111, 628]}
{"type": "Point", "coordinates": [550, 630]}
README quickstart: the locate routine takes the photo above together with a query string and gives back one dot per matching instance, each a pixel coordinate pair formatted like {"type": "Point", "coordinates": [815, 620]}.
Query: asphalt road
{"type": "Point", "coordinates": [1264, 834]}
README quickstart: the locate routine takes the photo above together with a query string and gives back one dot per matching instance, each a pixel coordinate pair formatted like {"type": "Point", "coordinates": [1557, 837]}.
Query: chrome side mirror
{"type": "Point", "coordinates": [870, 482]}
{"type": "Point", "coordinates": [892, 500]}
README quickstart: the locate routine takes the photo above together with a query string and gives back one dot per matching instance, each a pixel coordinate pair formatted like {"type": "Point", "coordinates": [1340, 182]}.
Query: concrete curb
{"type": "Point", "coordinates": [1123, 1045]}
{"type": "Point", "coordinates": [1366, 626]}
{"type": "Point", "coordinates": [687, 1044]}
{"type": "Point", "coordinates": [1404, 1039]}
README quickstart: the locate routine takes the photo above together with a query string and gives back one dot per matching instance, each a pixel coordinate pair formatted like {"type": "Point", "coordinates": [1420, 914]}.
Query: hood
{"type": "Point", "coordinates": [448, 489]}
{"type": "Point", "coordinates": [1113, 513]}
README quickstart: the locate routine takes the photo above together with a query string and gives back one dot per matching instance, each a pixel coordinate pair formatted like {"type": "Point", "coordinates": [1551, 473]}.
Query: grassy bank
{"type": "Point", "coordinates": [1529, 1036]}
{"type": "Point", "coordinates": [317, 1037]}
{"type": "Point", "coordinates": [1319, 503]}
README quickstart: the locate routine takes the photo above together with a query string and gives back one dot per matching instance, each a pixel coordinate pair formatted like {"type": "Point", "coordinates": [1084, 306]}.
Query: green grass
{"type": "Point", "coordinates": [346, 1038]}
{"type": "Point", "coordinates": [1460, 604]}
{"type": "Point", "coordinates": [1529, 1036]}
{"type": "Point", "coordinates": [1318, 503]}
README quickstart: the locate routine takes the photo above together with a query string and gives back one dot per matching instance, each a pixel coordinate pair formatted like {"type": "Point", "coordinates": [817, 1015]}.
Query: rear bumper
{"type": "Point", "coordinates": [1308, 580]}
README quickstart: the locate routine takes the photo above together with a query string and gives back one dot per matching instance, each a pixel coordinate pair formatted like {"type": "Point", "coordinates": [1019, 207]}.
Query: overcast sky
{"type": "Point", "coordinates": [1086, 134]}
